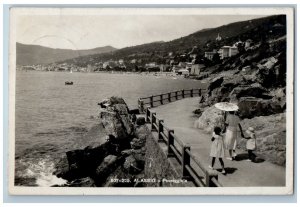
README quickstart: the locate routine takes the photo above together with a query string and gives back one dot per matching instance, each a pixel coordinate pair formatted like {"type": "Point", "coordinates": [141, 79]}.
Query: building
{"type": "Point", "coordinates": [228, 51]}
{"type": "Point", "coordinates": [151, 65]}
{"type": "Point", "coordinates": [196, 69]}
{"type": "Point", "coordinates": [248, 44]}
{"type": "Point", "coordinates": [219, 38]}
{"type": "Point", "coordinates": [210, 55]}
{"type": "Point", "coordinates": [183, 72]}
{"type": "Point", "coordinates": [163, 68]}
{"type": "Point", "coordinates": [133, 61]}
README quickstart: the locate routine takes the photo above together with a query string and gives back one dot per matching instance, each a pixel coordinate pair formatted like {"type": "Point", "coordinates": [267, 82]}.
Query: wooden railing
{"type": "Point", "coordinates": [191, 167]}
{"type": "Point", "coordinates": [156, 100]}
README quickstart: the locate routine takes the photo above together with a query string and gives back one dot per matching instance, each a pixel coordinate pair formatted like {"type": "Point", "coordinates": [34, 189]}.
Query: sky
{"type": "Point", "coordinates": [90, 31]}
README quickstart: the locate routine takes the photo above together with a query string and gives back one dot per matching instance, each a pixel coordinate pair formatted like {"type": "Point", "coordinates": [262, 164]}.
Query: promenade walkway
{"type": "Point", "coordinates": [179, 116]}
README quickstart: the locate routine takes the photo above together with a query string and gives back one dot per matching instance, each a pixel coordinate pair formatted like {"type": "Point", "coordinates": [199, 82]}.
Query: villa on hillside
{"type": "Point", "coordinates": [196, 69]}
{"type": "Point", "coordinates": [228, 51]}
{"type": "Point", "coordinates": [210, 55]}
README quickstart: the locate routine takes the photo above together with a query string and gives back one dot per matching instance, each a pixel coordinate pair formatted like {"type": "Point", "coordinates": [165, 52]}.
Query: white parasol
{"type": "Point", "coordinates": [226, 106]}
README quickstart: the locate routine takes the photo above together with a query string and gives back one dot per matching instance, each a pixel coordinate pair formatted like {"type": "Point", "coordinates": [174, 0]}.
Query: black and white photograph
{"type": "Point", "coordinates": [152, 101]}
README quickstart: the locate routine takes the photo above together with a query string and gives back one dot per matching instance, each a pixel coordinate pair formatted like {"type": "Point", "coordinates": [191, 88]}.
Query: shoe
{"type": "Point", "coordinates": [210, 167]}
{"type": "Point", "coordinates": [248, 160]}
{"type": "Point", "coordinates": [229, 158]}
{"type": "Point", "coordinates": [223, 171]}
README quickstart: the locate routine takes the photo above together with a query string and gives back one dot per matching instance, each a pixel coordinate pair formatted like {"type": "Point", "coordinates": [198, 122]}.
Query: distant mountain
{"type": "Point", "coordinates": [254, 29]}
{"type": "Point", "coordinates": [35, 54]}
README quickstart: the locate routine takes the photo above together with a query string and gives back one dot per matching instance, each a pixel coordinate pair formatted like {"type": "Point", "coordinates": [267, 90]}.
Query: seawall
{"type": "Point", "coordinates": [166, 171]}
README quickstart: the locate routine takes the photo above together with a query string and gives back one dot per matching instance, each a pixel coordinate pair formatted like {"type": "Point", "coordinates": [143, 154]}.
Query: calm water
{"type": "Point", "coordinates": [52, 117]}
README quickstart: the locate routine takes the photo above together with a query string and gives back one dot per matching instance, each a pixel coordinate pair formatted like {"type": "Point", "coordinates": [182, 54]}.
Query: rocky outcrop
{"type": "Point", "coordinates": [115, 117]}
{"type": "Point", "coordinates": [123, 152]}
{"type": "Point", "coordinates": [210, 118]}
{"type": "Point", "coordinates": [271, 137]}
{"type": "Point", "coordinates": [250, 107]}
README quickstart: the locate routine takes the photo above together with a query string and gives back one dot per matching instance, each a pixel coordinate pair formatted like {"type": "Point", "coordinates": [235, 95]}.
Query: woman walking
{"type": "Point", "coordinates": [232, 123]}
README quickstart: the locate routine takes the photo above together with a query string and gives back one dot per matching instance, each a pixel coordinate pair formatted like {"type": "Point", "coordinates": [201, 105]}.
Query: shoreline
{"type": "Point", "coordinates": [167, 75]}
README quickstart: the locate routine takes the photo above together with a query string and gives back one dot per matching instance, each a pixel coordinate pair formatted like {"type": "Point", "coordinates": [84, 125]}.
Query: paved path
{"type": "Point", "coordinates": [178, 116]}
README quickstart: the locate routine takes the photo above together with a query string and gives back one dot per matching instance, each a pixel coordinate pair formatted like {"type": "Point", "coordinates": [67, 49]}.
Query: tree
{"type": "Point", "coordinates": [216, 58]}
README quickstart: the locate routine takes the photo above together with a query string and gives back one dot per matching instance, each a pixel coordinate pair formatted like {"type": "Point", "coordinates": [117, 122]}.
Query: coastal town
{"type": "Point", "coordinates": [191, 63]}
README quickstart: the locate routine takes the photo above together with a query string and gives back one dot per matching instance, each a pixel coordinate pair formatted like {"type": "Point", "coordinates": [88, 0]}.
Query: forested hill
{"type": "Point", "coordinates": [203, 39]}
{"type": "Point", "coordinates": [35, 54]}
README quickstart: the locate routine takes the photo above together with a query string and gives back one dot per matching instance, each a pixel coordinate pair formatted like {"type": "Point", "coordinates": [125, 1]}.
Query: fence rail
{"type": "Point", "coordinates": [202, 177]}
{"type": "Point", "coordinates": [160, 99]}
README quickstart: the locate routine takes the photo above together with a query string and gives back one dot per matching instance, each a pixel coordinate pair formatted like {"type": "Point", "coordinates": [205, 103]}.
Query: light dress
{"type": "Point", "coordinates": [217, 146]}
{"type": "Point", "coordinates": [251, 143]}
{"type": "Point", "coordinates": [231, 131]}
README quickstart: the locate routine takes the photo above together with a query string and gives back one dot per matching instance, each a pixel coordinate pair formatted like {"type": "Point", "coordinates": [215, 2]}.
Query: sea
{"type": "Point", "coordinates": [52, 118]}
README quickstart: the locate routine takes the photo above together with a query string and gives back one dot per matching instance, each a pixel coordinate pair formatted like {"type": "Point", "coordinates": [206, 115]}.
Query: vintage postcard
{"type": "Point", "coordinates": [151, 101]}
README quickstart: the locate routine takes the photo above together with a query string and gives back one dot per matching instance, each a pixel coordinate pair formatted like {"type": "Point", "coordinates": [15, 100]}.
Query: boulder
{"type": "Point", "coordinates": [82, 182]}
{"type": "Point", "coordinates": [254, 90]}
{"type": "Point", "coordinates": [271, 137]}
{"type": "Point", "coordinates": [137, 143]}
{"type": "Point", "coordinates": [250, 107]}
{"type": "Point", "coordinates": [109, 165]}
{"type": "Point", "coordinates": [215, 83]}
{"type": "Point", "coordinates": [116, 118]}
{"type": "Point", "coordinates": [62, 168]}
{"type": "Point", "coordinates": [132, 165]}
{"type": "Point", "coordinates": [113, 124]}
{"type": "Point", "coordinates": [83, 162]}
{"type": "Point", "coordinates": [210, 118]}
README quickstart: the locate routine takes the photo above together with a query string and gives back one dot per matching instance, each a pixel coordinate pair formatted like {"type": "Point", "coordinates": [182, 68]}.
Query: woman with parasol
{"type": "Point", "coordinates": [232, 122]}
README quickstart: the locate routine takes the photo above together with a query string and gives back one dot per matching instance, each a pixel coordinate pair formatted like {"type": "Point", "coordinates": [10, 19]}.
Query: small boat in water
{"type": "Point", "coordinates": [69, 83]}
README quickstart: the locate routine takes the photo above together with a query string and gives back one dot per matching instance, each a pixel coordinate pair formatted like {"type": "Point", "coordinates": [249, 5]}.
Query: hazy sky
{"type": "Point", "coordinates": [85, 32]}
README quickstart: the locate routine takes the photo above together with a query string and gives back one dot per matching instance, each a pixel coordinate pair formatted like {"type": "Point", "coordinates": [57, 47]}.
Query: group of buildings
{"type": "Point", "coordinates": [228, 51]}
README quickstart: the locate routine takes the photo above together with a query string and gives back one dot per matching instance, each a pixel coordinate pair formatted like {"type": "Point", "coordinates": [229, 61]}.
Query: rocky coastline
{"type": "Point", "coordinates": [119, 161]}
{"type": "Point", "coordinates": [256, 81]}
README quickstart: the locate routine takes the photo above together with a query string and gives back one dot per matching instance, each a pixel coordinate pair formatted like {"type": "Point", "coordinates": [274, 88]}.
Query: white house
{"type": "Point", "coordinates": [196, 69]}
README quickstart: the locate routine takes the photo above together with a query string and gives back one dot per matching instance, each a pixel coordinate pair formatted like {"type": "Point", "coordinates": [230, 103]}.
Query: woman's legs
{"type": "Point", "coordinates": [222, 164]}
{"type": "Point", "coordinates": [251, 155]}
{"type": "Point", "coordinates": [213, 161]}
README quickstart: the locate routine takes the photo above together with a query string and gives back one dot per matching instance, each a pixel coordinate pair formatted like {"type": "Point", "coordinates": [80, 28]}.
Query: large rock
{"type": "Point", "coordinates": [254, 90]}
{"type": "Point", "coordinates": [133, 165]}
{"type": "Point", "coordinates": [83, 162]}
{"type": "Point", "coordinates": [250, 107]}
{"type": "Point", "coordinates": [210, 118]}
{"type": "Point", "coordinates": [82, 182]}
{"type": "Point", "coordinates": [271, 137]}
{"type": "Point", "coordinates": [215, 83]}
{"type": "Point", "coordinates": [109, 165]}
{"type": "Point", "coordinates": [116, 118]}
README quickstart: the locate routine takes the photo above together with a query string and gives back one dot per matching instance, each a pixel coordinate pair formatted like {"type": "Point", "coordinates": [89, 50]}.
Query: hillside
{"type": "Point", "coordinates": [35, 54]}
{"type": "Point", "coordinates": [204, 39]}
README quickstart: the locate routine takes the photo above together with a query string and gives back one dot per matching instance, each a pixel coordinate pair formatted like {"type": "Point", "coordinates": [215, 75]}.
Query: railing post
{"type": "Point", "coordinates": [208, 176]}
{"type": "Point", "coordinates": [185, 161]}
{"type": "Point", "coordinates": [160, 129]}
{"type": "Point", "coordinates": [169, 97]}
{"type": "Point", "coordinates": [151, 101]}
{"type": "Point", "coordinates": [182, 93]}
{"type": "Point", "coordinates": [141, 106]}
{"type": "Point", "coordinates": [147, 114]}
{"type": "Point", "coordinates": [199, 91]}
{"type": "Point", "coordinates": [192, 93]}
{"type": "Point", "coordinates": [170, 143]}
{"type": "Point", "coordinates": [153, 120]}
{"type": "Point", "coordinates": [176, 95]}
{"type": "Point", "coordinates": [161, 99]}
